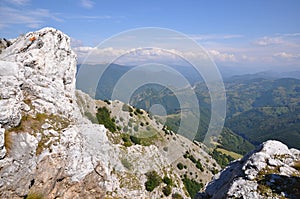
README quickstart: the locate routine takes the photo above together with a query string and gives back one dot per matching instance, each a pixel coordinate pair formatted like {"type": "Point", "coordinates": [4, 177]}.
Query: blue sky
{"type": "Point", "coordinates": [257, 34]}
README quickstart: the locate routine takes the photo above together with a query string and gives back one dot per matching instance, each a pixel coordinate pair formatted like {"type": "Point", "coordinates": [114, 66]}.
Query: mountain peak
{"type": "Point", "coordinates": [38, 71]}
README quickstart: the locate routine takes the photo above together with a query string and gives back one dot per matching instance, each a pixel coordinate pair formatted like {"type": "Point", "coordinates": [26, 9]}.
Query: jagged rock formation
{"type": "Point", "coordinates": [271, 171]}
{"type": "Point", "coordinates": [50, 148]}
{"type": "Point", "coordinates": [39, 117]}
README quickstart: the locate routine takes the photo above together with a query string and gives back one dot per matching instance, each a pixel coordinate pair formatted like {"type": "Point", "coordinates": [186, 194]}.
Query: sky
{"type": "Point", "coordinates": [254, 35]}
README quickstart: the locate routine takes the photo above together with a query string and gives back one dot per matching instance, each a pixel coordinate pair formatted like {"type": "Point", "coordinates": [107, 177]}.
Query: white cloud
{"type": "Point", "coordinates": [215, 37]}
{"type": "Point", "coordinates": [87, 3]}
{"type": "Point", "coordinates": [18, 2]}
{"type": "Point", "coordinates": [76, 42]}
{"type": "Point", "coordinates": [210, 37]}
{"type": "Point", "coordinates": [266, 41]}
{"type": "Point", "coordinates": [137, 56]}
{"type": "Point", "coordinates": [222, 56]}
{"type": "Point", "coordinates": [286, 55]}
{"type": "Point", "coordinates": [92, 17]}
{"type": "Point", "coordinates": [296, 34]}
{"type": "Point", "coordinates": [31, 18]}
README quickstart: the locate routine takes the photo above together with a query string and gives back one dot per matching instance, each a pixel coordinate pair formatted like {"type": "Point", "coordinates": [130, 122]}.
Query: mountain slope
{"type": "Point", "coordinates": [52, 145]}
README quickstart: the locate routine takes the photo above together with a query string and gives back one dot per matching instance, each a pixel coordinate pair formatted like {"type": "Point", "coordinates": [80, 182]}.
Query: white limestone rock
{"type": "Point", "coordinates": [272, 163]}
{"type": "Point", "coordinates": [2, 147]}
{"type": "Point", "coordinates": [41, 65]}
{"type": "Point", "coordinates": [17, 173]}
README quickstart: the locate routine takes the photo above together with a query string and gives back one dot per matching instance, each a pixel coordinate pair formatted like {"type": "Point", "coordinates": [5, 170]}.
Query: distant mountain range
{"type": "Point", "coordinates": [260, 106]}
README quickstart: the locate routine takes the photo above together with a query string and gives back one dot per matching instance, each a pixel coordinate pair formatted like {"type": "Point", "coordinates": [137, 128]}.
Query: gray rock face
{"type": "Point", "coordinates": [4, 44]}
{"type": "Point", "coordinates": [37, 69]}
{"type": "Point", "coordinates": [2, 140]}
{"type": "Point", "coordinates": [37, 106]}
{"type": "Point", "coordinates": [268, 172]}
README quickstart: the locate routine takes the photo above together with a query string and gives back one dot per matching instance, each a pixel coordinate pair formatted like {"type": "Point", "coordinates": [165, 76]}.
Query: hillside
{"type": "Point", "coordinates": [257, 109]}
{"type": "Point", "coordinates": [57, 142]}
{"type": "Point", "coordinates": [263, 109]}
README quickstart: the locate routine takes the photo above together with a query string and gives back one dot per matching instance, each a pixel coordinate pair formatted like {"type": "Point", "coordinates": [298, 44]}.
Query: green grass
{"type": "Point", "coordinates": [230, 153]}
{"type": "Point", "coordinates": [34, 195]}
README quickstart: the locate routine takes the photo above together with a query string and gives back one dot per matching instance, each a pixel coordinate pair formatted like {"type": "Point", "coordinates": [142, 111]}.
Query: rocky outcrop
{"type": "Point", "coordinates": [38, 70]}
{"type": "Point", "coordinates": [47, 147]}
{"type": "Point", "coordinates": [271, 171]}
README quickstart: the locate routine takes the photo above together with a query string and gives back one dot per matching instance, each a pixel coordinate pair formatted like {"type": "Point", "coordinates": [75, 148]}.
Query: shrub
{"type": "Point", "coordinates": [139, 111]}
{"type": "Point", "coordinates": [136, 128]}
{"type": "Point", "coordinates": [177, 196]}
{"type": "Point", "coordinates": [129, 124]}
{"type": "Point", "coordinates": [185, 155]}
{"type": "Point", "coordinates": [126, 140]}
{"type": "Point", "coordinates": [167, 180]}
{"type": "Point", "coordinates": [192, 186]}
{"type": "Point", "coordinates": [107, 102]}
{"type": "Point", "coordinates": [214, 171]}
{"type": "Point", "coordinates": [127, 108]}
{"type": "Point", "coordinates": [167, 190]}
{"type": "Point", "coordinates": [192, 158]}
{"type": "Point", "coordinates": [125, 129]}
{"type": "Point", "coordinates": [199, 166]}
{"type": "Point", "coordinates": [135, 139]}
{"type": "Point", "coordinates": [153, 180]}
{"type": "Point", "coordinates": [103, 117]}
{"type": "Point", "coordinates": [180, 166]}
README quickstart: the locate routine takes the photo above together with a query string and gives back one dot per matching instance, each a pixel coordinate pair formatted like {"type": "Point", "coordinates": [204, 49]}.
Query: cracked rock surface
{"type": "Point", "coordinates": [270, 171]}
